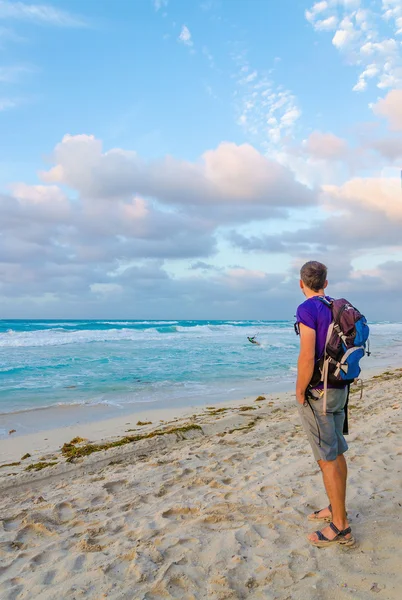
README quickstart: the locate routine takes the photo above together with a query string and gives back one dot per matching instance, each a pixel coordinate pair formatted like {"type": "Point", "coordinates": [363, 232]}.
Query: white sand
{"type": "Point", "coordinates": [206, 514]}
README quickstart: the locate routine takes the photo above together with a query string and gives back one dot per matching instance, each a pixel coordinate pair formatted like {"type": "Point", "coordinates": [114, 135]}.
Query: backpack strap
{"type": "Point", "coordinates": [324, 300]}
{"type": "Point", "coordinates": [325, 366]}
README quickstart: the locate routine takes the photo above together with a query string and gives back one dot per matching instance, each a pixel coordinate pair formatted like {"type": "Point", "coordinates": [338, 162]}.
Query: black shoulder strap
{"type": "Point", "coordinates": [346, 421]}
{"type": "Point", "coordinates": [325, 301]}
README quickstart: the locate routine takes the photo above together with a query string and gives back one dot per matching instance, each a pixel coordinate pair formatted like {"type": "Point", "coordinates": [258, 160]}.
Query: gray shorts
{"type": "Point", "coordinates": [325, 432]}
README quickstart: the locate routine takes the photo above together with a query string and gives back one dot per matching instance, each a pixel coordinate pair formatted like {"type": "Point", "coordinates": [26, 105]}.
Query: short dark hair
{"type": "Point", "coordinates": [313, 274]}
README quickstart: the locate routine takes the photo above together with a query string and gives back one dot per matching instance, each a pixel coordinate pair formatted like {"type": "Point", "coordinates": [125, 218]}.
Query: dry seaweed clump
{"type": "Point", "coordinates": [244, 408]}
{"type": "Point", "coordinates": [249, 426]}
{"type": "Point", "coordinates": [260, 399]}
{"type": "Point", "coordinates": [78, 440]}
{"type": "Point", "coordinates": [27, 455]}
{"type": "Point", "coordinates": [13, 464]}
{"type": "Point", "coordinates": [395, 374]}
{"type": "Point", "coordinates": [71, 451]}
{"type": "Point", "coordinates": [40, 465]}
{"type": "Point", "coordinates": [216, 411]}
{"type": "Point", "coordinates": [144, 422]}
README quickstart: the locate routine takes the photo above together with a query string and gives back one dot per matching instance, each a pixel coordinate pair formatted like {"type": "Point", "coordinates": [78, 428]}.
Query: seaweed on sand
{"type": "Point", "coordinates": [71, 451]}
{"type": "Point", "coordinates": [40, 465]}
{"type": "Point", "coordinates": [249, 426]}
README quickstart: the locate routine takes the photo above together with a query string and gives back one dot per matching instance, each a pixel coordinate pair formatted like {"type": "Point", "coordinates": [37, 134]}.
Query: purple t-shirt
{"type": "Point", "coordinates": [316, 315]}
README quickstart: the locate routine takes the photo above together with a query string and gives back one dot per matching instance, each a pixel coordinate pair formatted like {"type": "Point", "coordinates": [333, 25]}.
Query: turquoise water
{"type": "Point", "coordinates": [116, 363]}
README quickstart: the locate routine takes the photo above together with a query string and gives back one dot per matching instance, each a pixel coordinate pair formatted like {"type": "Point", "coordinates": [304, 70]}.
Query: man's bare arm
{"type": "Point", "coordinates": [305, 363]}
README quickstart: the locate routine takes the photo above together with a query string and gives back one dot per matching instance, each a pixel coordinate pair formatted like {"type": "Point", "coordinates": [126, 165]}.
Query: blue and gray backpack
{"type": "Point", "coordinates": [345, 346]}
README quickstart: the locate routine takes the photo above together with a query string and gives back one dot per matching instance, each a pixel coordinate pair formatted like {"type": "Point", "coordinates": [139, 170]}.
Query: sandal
{"type": "Point", "coordinates": [315, 517]}
{"type": "Point", "coordinates": [340, 538]}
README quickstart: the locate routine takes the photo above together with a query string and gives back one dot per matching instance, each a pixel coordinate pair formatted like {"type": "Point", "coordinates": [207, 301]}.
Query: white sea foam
{"type": "Point", "coordinates": [268, 334]}
{"type": "Point", "coordinates": [58, 336]}
{"type": "Point", "coordinates": [136, 322]}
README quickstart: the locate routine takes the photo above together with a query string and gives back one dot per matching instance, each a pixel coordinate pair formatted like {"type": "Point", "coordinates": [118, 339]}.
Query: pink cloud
{"type": "Point", "coordinates": [390, 108]}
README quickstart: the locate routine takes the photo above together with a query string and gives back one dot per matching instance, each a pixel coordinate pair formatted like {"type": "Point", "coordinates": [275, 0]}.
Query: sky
{"type": "Point", "coordinates": [182, 159]}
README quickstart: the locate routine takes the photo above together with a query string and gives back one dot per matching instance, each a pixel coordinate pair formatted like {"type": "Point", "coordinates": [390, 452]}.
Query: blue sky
{"type": "Point", "coordinates": [172, 158]}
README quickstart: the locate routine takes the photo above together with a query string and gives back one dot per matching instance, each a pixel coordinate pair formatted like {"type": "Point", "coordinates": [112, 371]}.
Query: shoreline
{"type": "Point", "coordinates": [45, 444]}
{"type": "Point", "coordinates": [45, 419]}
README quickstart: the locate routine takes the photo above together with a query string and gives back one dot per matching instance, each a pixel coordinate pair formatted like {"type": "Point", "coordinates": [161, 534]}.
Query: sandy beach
{"type": "Point", "coordinates": [210, 504]}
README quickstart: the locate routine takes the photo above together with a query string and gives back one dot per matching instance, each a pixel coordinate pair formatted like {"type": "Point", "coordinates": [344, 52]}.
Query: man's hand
{"type": "Point", "coordinates": [301, 398]}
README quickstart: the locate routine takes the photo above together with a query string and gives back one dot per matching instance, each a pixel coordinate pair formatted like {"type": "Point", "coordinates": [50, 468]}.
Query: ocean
{"type": "Point", "coordinates": [124, 364]}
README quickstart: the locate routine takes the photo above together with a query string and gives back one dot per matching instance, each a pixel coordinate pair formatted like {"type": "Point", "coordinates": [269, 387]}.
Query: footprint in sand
{"type": "Point", "coordinates": [114, 486]}
{"type": "Point", "coordinates": [180, 512]}
{"type": "Point", "coordinates": [64, 511]}
{"type": "Point", "coordinates": [229, 496]}
{"type": "Point", "coordinates": [40, 559]}
{"type": "Point", "coordinates": [11, 524]}
{"type": "Point", "coordinates": [49, 577]}
{"type": "Point", "coordinates": [30, 533]}
{"type": "Point", "coordinates": [79, 562]}
{"type": "Point", "coordinates": [10, 547]}
{"type": "Point", "coordinates": [99, 499]}
{"type": "Point", "coordinates": [117, 569]}
{"type": "Point", "coordinates": [178, 585]}
{"type": "Point", "coordinates": [14, 593]}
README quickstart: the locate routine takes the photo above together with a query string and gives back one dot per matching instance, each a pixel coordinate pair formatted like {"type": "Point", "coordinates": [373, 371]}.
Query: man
{"type": "Point", "coordinates": [324, 431]}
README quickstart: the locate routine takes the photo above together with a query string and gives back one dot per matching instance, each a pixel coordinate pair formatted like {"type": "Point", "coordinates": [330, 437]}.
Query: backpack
{"type": "Point", "coordinates": [345, 346]}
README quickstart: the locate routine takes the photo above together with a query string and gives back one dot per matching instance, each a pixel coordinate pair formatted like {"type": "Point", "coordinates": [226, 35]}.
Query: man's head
{"type": "Point", "coordinates": [313, 278]}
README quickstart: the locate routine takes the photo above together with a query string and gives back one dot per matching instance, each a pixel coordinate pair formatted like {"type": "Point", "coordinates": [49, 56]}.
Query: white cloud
{"type": "Point", "coordinates": [39, 13]}
{"type": "Point", "coordinates": [344, 37]}
{"type": "Point", "coordinates": [361, 38]}
{"type": "Point", "coordinates": [370, 72]}
{"type": "Point", "coordinates": [185, 36]}
{"type": "Point", "coordinates": [227, 182]}
{"type": "Point", "coordinates": [266, 112]}
{"type": "Point", "coordinates": [385, 48]}
{"type": "Point", "coordinates": [326, 24]}
{"type": "Point", "coordinates": [317, 9]}
{"type": "Point", "coordinates": [392, 11]}
{"type": "Point", "coordinates": [158, 4]}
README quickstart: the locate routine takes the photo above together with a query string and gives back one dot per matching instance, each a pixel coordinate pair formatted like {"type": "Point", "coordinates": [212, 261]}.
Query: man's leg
{"type": "Point", "coordinates": [343, 467]}
{"type": "Point", "coordinates": [334, 474]}
{"type": "Point", "coordinates": [340, 460]}
{"type": "Point", "coordinates": [335, 485]}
